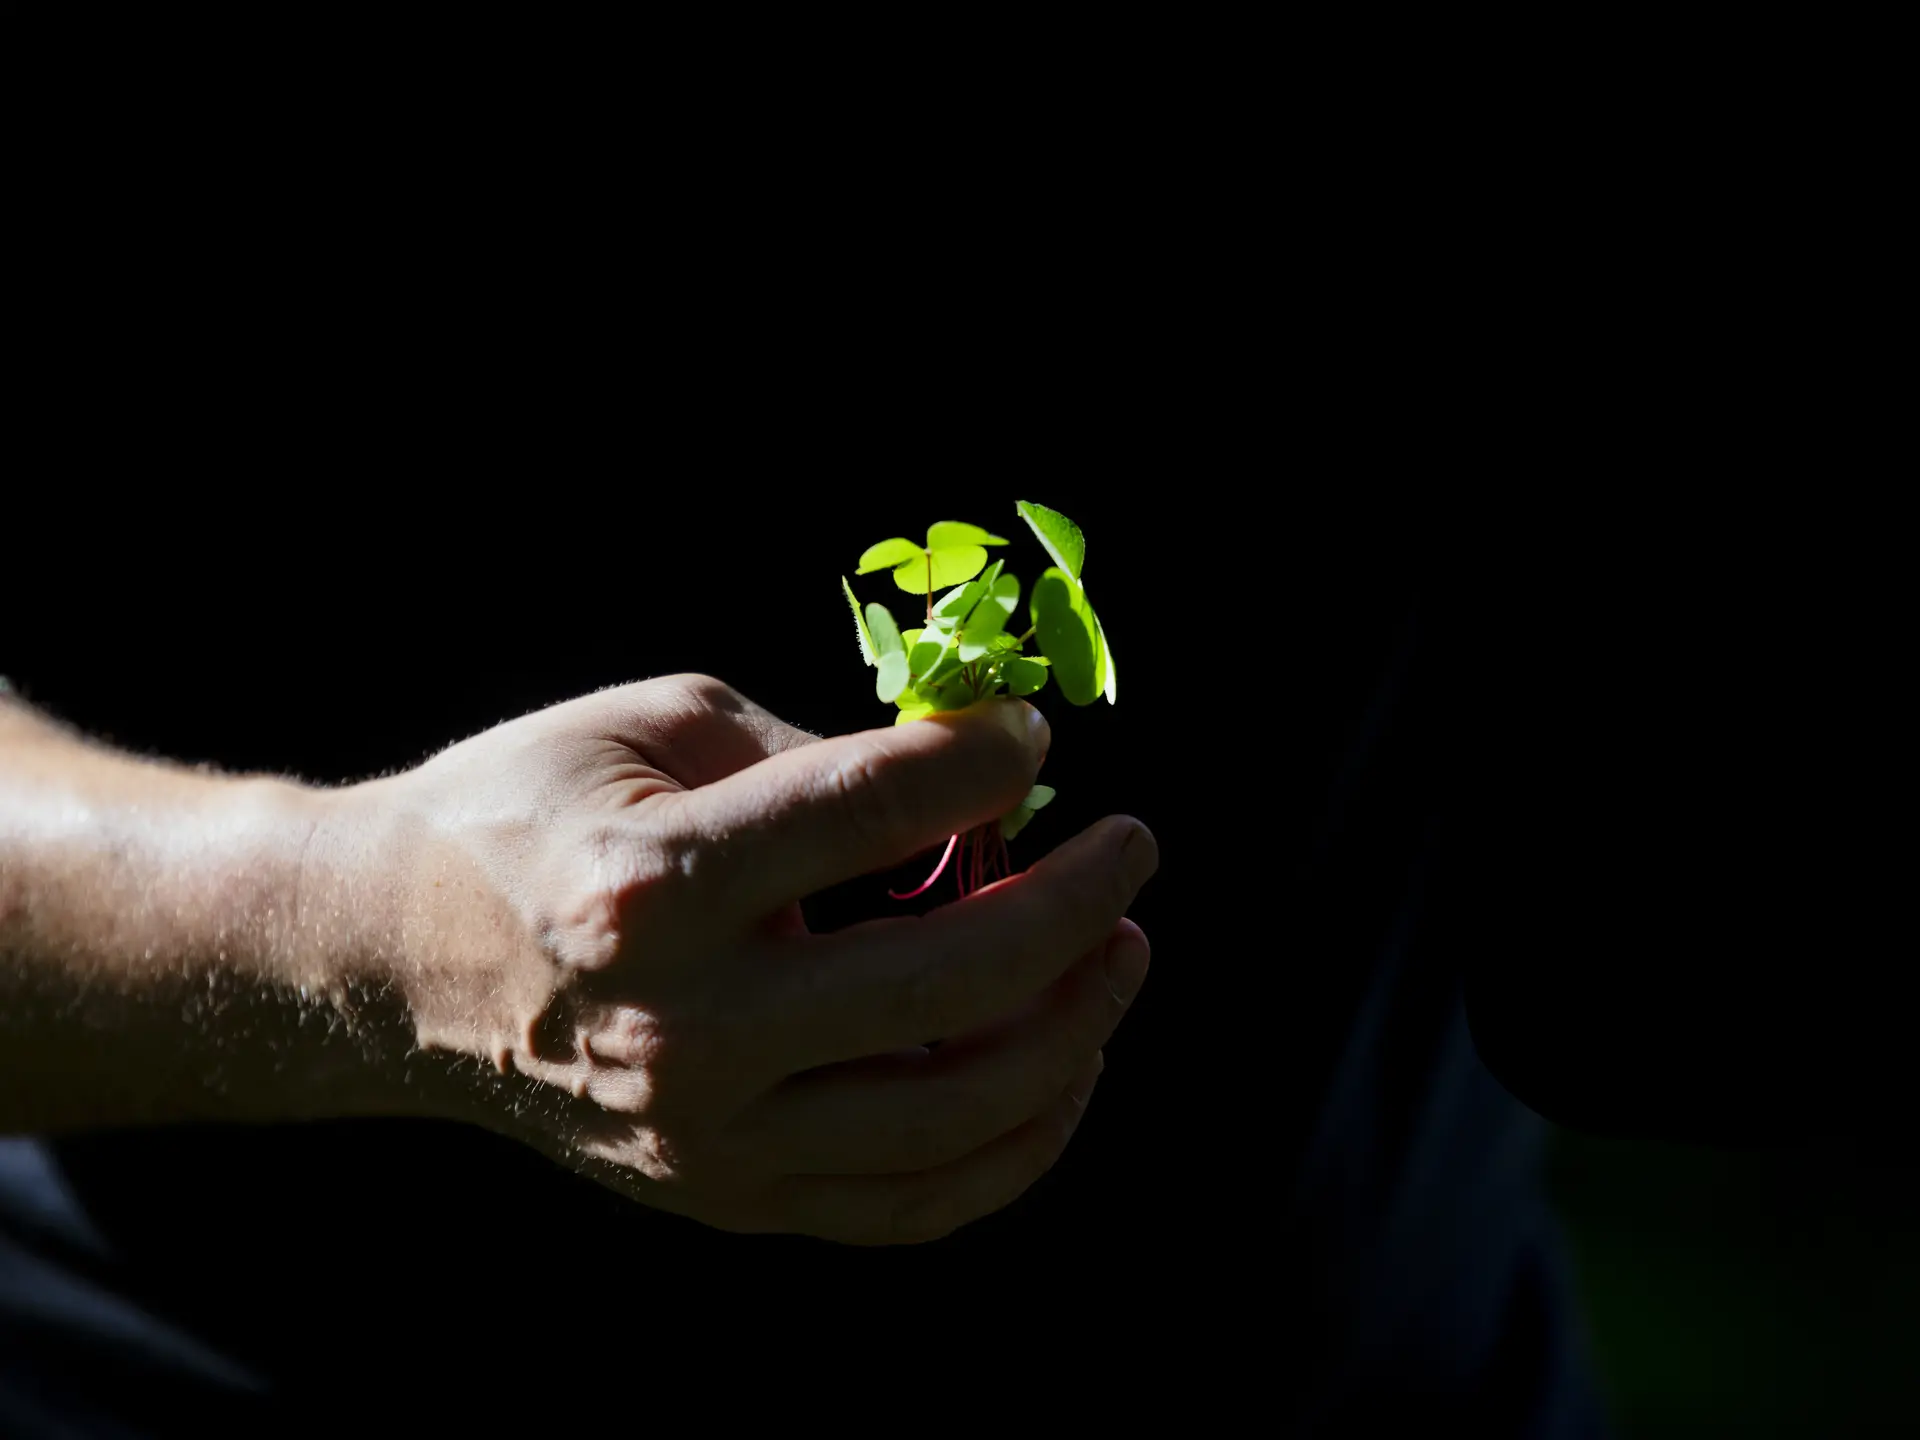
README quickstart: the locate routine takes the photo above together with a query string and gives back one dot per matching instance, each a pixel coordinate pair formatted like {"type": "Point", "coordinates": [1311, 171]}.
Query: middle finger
{"type": "Point", "coordinates": [913, 1111]}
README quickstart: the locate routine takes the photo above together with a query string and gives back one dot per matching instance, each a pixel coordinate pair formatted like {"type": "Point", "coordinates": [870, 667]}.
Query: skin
{"type": "Point", "coordinates": [580, 929]}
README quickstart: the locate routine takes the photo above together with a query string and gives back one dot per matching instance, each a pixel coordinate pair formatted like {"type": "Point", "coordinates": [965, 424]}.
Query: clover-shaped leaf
{"type": "Point", "coordinates": [952, 555]}
{"type": "Point", "coordinates": [955, 532]}
{"type": "Point", "coordinates": [1083, 660]}
{"type": "Point", "coordinates": [1061, 536]}
{"type": "Point", "coordinates": [888, 552]}
{"type": "Point", "coordinates": [963, 653]}
{"type": "Point", "coordinates": [1070, 637]}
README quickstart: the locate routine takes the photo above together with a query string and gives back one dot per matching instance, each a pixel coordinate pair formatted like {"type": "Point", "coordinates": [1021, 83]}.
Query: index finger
{"type": "Point", "coordinates": [810, 817]}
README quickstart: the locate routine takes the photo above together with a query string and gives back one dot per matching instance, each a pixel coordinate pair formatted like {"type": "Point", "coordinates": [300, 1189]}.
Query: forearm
{"type": "Point", "coordinates": [170, 946]}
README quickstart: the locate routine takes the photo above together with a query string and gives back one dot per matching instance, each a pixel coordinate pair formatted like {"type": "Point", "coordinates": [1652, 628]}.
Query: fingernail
{"type": "Point", "coordinates": [1025, 724]}
{"type": "Point", "coordinates": [1139, 854]}
{"type": "Point", "coordinates": [1127, 966]}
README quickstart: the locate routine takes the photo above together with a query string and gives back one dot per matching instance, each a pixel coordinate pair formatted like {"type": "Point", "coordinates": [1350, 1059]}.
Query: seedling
{"type": "Point", "coordinates": [964, 651]}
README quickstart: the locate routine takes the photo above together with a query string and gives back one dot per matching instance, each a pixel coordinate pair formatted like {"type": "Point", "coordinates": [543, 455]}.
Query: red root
{"type": "Point", "coordinates": [983, 859]}
{"type": "Point", "coordinates": [928, 884]}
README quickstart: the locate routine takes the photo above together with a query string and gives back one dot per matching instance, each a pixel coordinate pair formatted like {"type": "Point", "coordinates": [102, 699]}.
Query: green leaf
{"type": "Point", "coordinates": [910, 638]}
{"type": "Point", "coordinates": [912, 712]}
{"type": "Point", "coordinates": [956, 602]}
{"type": "Point", "coordinates": [1106, 652]}
{"type": "Point", "coordinates": [1016, 819]}
{"type": "Point", "coordinates": [1061, 536]}
{"type": "Point", "coordinates": [1003, 592]}
{"type": "Point", "coordinates": [955, 532]}
{"type": "Point", "coordinates": [927, 645]}
{"type": "Point", "coordinates": [888, 553]}
{"type": "Point", "coordinates": [946, 665]}
{"type": "Point", "coordinates": [860, 622]}
{"type": "Point", "coordinates": [1024, 675]}
{"type": "Point", "coordinates": [956, 694]}
{"type": "Point", "coordinates": [989, 618]}
{"type": "Point", "coordinates": [886, 635]}
{"type": "Point", "coordinates": [1004, 641]}
{"type": "Point", "coordinates": [952, 565]}
{"type": "Point", "coordinates": [892, 678]}
{"type": "Point", "coordinates": [1069, 636]}
{"type": "Point", "coordinates": [953, 608]}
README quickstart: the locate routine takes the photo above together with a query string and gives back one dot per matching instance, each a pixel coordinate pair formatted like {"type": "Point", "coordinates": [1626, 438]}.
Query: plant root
{"type": "Point", "coordinates": [983, 859]}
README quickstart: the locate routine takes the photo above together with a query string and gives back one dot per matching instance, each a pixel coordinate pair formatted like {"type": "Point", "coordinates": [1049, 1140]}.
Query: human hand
{"type": "Point", "coordinates": [600, 903]}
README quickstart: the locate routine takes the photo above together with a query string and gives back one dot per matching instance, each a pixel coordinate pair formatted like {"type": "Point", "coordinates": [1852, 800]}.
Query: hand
{"type": "Point", "coordinates": [599, 903]}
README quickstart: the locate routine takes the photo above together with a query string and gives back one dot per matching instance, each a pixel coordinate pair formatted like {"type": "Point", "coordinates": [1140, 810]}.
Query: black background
{"type": "Point", "coordinates": [328, 533]}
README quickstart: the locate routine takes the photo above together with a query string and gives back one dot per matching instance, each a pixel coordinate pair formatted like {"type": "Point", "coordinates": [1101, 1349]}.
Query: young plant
{"type": "Point", "coordinates": [963, 652]}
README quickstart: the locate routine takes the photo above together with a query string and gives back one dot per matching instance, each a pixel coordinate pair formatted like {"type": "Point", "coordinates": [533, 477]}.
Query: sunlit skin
{"type": "Point", "coordinates": [581, 929]}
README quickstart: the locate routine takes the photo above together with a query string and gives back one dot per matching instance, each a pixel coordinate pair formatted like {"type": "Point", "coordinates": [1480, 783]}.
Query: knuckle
{"type": "Point", "coordinates": [702, 692]}
{"type": "Point", "coordinates": [578, 923]}
{"type": "Point", "coordinates": [683, 1154]}
{"type": "Point", "coordinates": [658, 1155]}
{"type": "Point", "coordinates": [639, 1045]}
{"type": "Point", "coordinates": [871, 808]}
{"type": "Point", "coordinates": [642, 873]}
{"type": "Point", "coordinates": [672, 1067]}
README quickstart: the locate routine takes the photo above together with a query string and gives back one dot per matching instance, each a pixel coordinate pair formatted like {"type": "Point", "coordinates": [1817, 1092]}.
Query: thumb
{"type": "Point", "coordinates": [826, 812]}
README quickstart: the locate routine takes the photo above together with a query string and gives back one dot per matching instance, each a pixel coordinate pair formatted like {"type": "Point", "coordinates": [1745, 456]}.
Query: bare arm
{"type": "Point", "coordinates": [165, 954]}
{"type": "Point", "coordinates": [581, 929]}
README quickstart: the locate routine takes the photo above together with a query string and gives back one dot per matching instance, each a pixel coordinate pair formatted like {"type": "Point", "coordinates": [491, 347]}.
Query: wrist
{"type": "Point", "coordinates": [432, 925]}
{"type": "Point", "coordinates": [337, 951]}
{"type": "Point", "coordinates": [405, 935]}
{"type": "Point", "coordinates": [289, 1007]}
{"type": "Point", "coordinates": [169, 952]}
